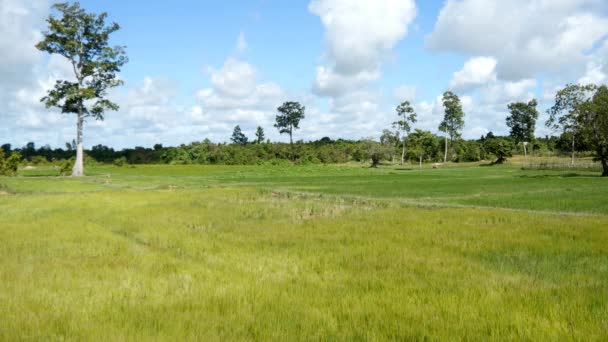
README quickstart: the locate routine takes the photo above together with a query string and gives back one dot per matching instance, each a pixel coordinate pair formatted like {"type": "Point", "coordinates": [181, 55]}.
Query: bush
{"type": "Point", "coordinates": [66, 167]}
{"type": "Point", "coordinates": [120, 162]}
{"type": "Point", "coordinates": [10, 165]}
{"type": "Point", "coordinates": [499, 147]}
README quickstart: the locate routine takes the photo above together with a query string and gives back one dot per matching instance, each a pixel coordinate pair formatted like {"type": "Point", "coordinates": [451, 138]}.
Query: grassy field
{"type": "Point", "coordinates": [304, 253]}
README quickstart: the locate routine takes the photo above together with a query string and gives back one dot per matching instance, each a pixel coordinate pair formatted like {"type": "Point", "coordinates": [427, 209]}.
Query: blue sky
{"type": "Point", "coordinates": [198, 68]}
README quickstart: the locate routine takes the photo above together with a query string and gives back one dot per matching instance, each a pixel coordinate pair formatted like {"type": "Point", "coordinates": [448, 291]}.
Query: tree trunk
{"type": "Point", "coordinates": [78, 169]}
{"type": "Point", "coordinates": [605, 167]}
{"type": "Point", "coordinates": [420, 165]}
{"type": "Point", "coordinates": [290, 136]}
{"type": "Point", "coordinates": [445, 156]}
{"type": "Point", "coordinates": [403, 151]}
{"type": "Point", "coordinates": [572, 157]}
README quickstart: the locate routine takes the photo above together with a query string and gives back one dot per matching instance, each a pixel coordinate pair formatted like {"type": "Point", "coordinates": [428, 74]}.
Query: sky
{"type": "Point", "coordinates": [197, 68]}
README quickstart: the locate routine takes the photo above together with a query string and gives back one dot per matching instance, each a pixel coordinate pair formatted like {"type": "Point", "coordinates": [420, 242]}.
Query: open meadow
{"type": "Point", "coordinates": [304, 252]}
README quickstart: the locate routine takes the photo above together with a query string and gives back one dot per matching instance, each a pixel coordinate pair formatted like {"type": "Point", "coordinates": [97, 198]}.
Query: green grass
{"type": "Point", "coordinates": [304, 253]}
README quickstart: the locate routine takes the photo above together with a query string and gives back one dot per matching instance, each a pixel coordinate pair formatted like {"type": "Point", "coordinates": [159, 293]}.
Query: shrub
{"type": "Point", "coordinates": [10, 165]}
{"type": "Point", "coordinates": [499, 147]}
{"type": "Point", "coordinates": [120, 162]}
{"type": "Point", "coordinates": [66, 167]}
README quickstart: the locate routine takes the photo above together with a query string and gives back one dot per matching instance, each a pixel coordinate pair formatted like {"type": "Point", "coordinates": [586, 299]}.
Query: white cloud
{"type": "Point", "coordinates": [476, 72]}
{"type": "Point", "coordinates": [330, 83]}
{"type": "Point", "coordinates": [526, 37]}
{"type": "Point", "coordinates": [237, 97]}
{"type": "Point", "coordinates": [18, 36]}
{"type": "Point", "coordinates": [235, 79]}
{"type": "Point", "coordinates": [594, 74]}
{"type": "Point", "coordinates": [502, 92]}
{"type": "Point", "coordinates": [358, 34]}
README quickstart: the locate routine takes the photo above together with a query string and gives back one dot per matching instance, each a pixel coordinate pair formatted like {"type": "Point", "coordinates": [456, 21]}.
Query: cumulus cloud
{"type": "Point", "coordinates": [358, 34]}
{"type": "Point", "coordinates": [526, 37]}
{"type": "Point", "coordinates": [476, 72]}
{"type": "Point", "coordinates": [236, 96]}
{"type": "Point", "coordinates": [595, 73]}
{"type": "Point", "coordinates": [330, 83]}
{"type": "Point", "coordinates": [19, 32]}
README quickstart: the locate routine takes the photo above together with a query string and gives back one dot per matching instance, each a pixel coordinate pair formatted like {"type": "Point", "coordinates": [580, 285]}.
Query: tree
{"type": "Point", "coordinates": [390, 141]}
{"type": "Point", "coordinates": [453, 120]}
{"type": "Point", "coordinates": [9, 165]}
{"type": "Point", "coordinates": [592, 121]}
{"type": "Point", "coordinates": [421, 143]}
{"type": "Point", "coordinates": [6, 148]}
{"type": "Point", "coordinates": [407, 117]}
{"type": "Point", "coordinates": [238, 137]}
{"type": "Point", "coordinates": [565, 112]}
{"type": "Point", "coordinates": [83, 38]}
{"type": "Point", "coordinates": [522, 121]}
{"type": "Point", "coordinates": [373, 150]}
{"type": "Point", "coordinates": [500, 148]}
{"type": "Point", "coordinates": [288, 119]}
{"type": "Point", "coordinates": [259, 135]}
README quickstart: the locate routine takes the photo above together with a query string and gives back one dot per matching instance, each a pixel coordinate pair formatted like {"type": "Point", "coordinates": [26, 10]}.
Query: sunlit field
{"type": "Point", "coordinates": [304, 253]}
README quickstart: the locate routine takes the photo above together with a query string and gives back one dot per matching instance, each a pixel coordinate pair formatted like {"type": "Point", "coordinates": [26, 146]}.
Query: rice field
{"type": "Point", "coordinates": [304, 253]}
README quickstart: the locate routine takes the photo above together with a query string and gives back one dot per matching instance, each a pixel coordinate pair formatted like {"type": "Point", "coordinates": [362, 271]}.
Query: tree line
{"type": "Point", "coordinates": [580, 112]}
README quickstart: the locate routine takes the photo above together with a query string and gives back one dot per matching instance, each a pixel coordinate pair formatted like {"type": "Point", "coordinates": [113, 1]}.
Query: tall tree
{"type": "Point", "coordinates": [453, 119]}
{"type": "Point", "coordinates": [288, 119]}
{"type": "Point", "coordinates": [83, 38]}
{"type": "Point", "coordinates": [259, 135]}
{"type": "Point", "coordinates": [593, 125]}
{"type": "Point", "coordinates": [407, 116]}
{"type": "Point", "coordinates": [238, 137]}
{"type": "Point", "coordinates": [565, 112]}
{"type": "Point", "coordinates": [522, 121]}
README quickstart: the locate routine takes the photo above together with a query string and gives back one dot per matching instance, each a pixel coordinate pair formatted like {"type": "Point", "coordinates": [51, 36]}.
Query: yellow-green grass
{"type": "Point", "coordinates": [235, 253]}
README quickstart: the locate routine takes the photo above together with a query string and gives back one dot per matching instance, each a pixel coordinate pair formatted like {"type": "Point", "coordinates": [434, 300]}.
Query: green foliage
{"type": "Point", "coordinates": [564, 113]}
{"type": "Point", "coordinates": [500, 148]}
{"type": "Point", "coordinates": [65, 169]}
{"type": "Point", "coordinates": [120, 162]}
{"type": "Point", "coordinates": [238, 137]}
{"type": "Point", "coordinates": [407, 116]}
{"type": "Point", "coordinates": [469, 151]}
{"type": "Point", "coordinates": [522, 120]}
{"type": "Point", "coordinates": [288, 119]}
{"type": "Point", "coordinates": [453, 120]}
{"type": "Point", "coordinates": [83, 38]}
{"type": "Point", "coordinates": [259, 135]}
{"type": "Point", "coordinates": [423, 145]}
{"type": "Point", "coordinates": [9, 165]}
{"type": "Point", "coordinates": [593, 123]}
{"type": "Point", "coordinates": [374, 151]}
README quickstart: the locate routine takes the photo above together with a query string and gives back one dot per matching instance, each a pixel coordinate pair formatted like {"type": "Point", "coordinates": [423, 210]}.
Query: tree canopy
{"type": "Point", "coordinates": [238, 137]}
{"type": "Point", "coordinates": [259, 135]}
{"type": "Point", "coordinates": [288, 119]}
{"type": "Point", "coordinates": [593, 124]}
{"type": "Point", "coordinates": [522, 120]}
{"type": "Point", "coordinates": [453, 119]}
